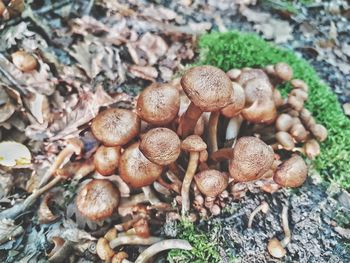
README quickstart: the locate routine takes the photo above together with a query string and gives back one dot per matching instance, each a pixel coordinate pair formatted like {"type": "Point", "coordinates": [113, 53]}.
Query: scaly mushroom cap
{"type": "Point", "coordinates": [161, 146]}
{"type": "Point", "coordinates": [158, 104]}
{"type": "Point", "coordinates": [98, 199]}
{"type": "Point", "coordinates": [237, 102]}
{"type": "Point", "coordinates": [284, 71]}
{"type": "Point", "coordinates": [260, 112]}
{"type": "Point", "coordinates": [208, 87]}
{"type": "Point", "coordinates": [115, 127]}
{"type": "Point", "coordinates": [211, 182]}
{"type": "Point", "coordinates": [248, 74]}
{"type": "Point", "coordinates": [193, 143]}
{"type": "Point", "coordinates": [106, 159]}
{"type": "Point", "coordinates": [24, 61]}
{"type": "Point", "coordinates": [251, 159]}
{"type": "Point", "coordinates": [258, 89]}
{"type": "Point", "coordinates": [291, 173]}
{"type": "Point", "coordinates": [136, 170]}
{"type": "Point", "coordinates": [276, 249]}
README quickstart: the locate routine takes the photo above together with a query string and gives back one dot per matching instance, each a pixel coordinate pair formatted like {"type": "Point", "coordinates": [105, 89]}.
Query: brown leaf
{"type": "Point", "coordinates": [144, 72]}
{"type": "Point", "coordinates": [154, 46]}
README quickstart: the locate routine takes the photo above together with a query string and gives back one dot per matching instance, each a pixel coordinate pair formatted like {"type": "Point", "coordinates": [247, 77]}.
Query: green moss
{"type": "Point", "coordinates": [204, 249]}
{"type": "Point", "coordinates": [237, 50]}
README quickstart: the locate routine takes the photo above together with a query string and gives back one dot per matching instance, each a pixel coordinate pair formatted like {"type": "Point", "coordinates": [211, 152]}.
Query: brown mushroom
{"type": "Point", "coordinates": [98, 199]}
{"type": "Point", "coordinates": [285, 140]}
{"type": "Point", "coordinates": [211, 182]}
{"type": "Point", "coordinates": [73, 146]}
{"type": "Point", "coordinates": [209, 90]}
{"type": "Point", "coordinates": [24, 61]}
{"type": "Point", "coordinates": [251, 159]}
{"type": "Point", "coordinates": [283, 71]}
{"type": "Point", "coordinates": [319, 131]}
{"type": "Point", "coordinates": [136, 170]}
{"type": "Point", "coordinates": [299, 132]}
{"type": "Point", "coordinates": [194, 145]}
{"type": "Point", "coordinates": [275, 247]}
{"type": "Point", "coordinates": [161, 146]}
{"type": "Point", "coordinates": [103, 250]}
{"type": "Point", "coordinates": [299, 84]}
{"type": "Point", "coordinates": [312, 149]}
{"type": "Point", "coordinates": [284, 122]}
{"type": "Point", "coordinates": [249, 74]}
{"type": "Point", "coordinates": [158, 104]}
{"type": "Point", "coordinates": [115, 127]}
{"type": "Point", "coordinates": [234, 73]}
{"type": "Point", "coordinates": [237, 102]}
{"type": "Point", "coordinates": [292, 172]}
{"type": "Point", "coordinates": [106, 159]}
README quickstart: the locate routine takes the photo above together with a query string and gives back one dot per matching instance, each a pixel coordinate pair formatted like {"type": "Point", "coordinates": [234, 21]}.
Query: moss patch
{"type": "Point", "coordinates": [237, 50]}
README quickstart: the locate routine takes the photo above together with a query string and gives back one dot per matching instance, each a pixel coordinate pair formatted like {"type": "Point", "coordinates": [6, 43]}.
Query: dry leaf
{"type": "Point", "coordinates": [144, 72]}
{"type": "Point", "coordinates": [14, 153]}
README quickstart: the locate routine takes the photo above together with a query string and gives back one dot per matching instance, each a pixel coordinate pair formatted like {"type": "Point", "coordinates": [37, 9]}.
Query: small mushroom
{"type": "Point", "coordinates": [249, 74]}
{"type": "Point", "coordinates": [275, 247]}
{"type": "Point", "coordinates": [263, 207]}
{"type": "Point", "coordinates": [299, 132]}
{"type": "Point", "coordinates": [103, 250]}
{"type": "Point", "coordinates": [158, 104]}
{"type": "Point", "coordinates": [115, 127]}
{"type": "Point", "coordinates": [61, 251]}
{"type": "Point", "coordinates": [319, 131]}
{"type": "Point", "coordinates": [209, 90]}
{"type": "Point", "coordinates": [292, 172]}
{"type": "Point", "coordinates": [283, 71]}
{"type": "Point", "coordinates": [285, 140]}
{"type": "Point", "coordinates": [120, 257]}
{"type": "Point", "coordinates": [312, 149]}
{"type": "Point", "coordinates": [106, 159]}
{"type": "Point", "coordinates": [133, 240]}
{"type": "Point", "coordinates": [24, 61]}
{"type": "Point", "coordinates": [284, 122]}
{"type": "Point", "coordinates": [234, 73]}
{"type": "Point", "coordinates": [194, 145]}
{"type": "Point", "coordinates": [299, 84]}
{"type": "Point", "coordinates": [136, 170]}
{"type": "Point", "coordinates": [251, 159]}
{"type": "Point", "coordinates": [45, 214]}
{"type": "Point", "coordinates": [98, 199]}
{"type": "Point", "coordinates": [211, 182]}
{"type": "Point", "coordinates": [237, 102]}
{"type": "Point", "coordinates": [73, 146]}
{"type": "Point", "coordinates": [161, 146]}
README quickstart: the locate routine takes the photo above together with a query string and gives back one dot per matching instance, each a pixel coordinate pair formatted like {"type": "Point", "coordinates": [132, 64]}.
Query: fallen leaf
{"type": "Point", "coordinates": [144, 72]}
{"type": "Point", "coordinates": [14, 153]}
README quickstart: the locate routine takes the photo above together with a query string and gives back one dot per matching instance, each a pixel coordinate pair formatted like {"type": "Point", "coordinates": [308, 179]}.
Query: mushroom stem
{"type": "Point", "coordinates": [161, 246]}
{"type": "Point", "coordinates": [150, 195]}
{"type": "Point", "coordinates": [223, 154]}
{"type": "Point", "coordinates": [133, 240]}
{"type": "Point", "coordinates": [213, 130]}
{"type": "Point", "coordinates": [18, 209]}
{"type": "Point", "coordinates": [174, 187]}
{"type": "Point", "coordinates": [185, 189]}
{"type": "Point", "coordinates": [287, 234]}
{"type": "Point", "coordinates": [233, 127]}
{"type": "Point", "coordinates": [264, 207]}
{"type": "Point", "coordinates": [73, 146]}
{"type": "Point", "coordinates": [189, 120]}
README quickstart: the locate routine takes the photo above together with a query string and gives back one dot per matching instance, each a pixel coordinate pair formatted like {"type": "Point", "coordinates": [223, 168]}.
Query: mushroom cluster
{"type": "Point", "coordinates": [196, 142]}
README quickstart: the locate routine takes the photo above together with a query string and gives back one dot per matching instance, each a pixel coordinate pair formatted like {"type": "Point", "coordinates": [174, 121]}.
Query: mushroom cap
{"type": "Point", "coordinates": [98, 199]}
{"type": "Point", "coordinates": [319, 131]}
{"type": "Point", "coordinates": [299, 84]}
{"type": "Point", "coordinates": [284, 71]}
{"type": "Point", "coordinates": [234, 73]}
{"type": "Point", "coordinates": [158, 104]}
{"type": "Point", "coordinates": [299, 132]}
{"type": "Point", "coordinates": [284, 122]}
{"type": "Point", "coordinates": [312, 149]}
{"type": "Point", "coordinates": [135, 169]}
{"type": "Point", "coordinates": [291, 173]}
{"type": "Point", "coordinates": [237, 102]}
{"type": "Point", "coordinates": [193, 143]}
{"type": "Point", "coordinates": [211, 182]}
{"type": "Point", "coordinates": [161, 146]}
{"type": "Point", "coordinates": [208, 87]}
{"type": "Point", "coordinates": [276, 249]}
{"type": "Point", "coordinates": [286, 140]}
{"type": "Point", "coordinates": [261, 111]}
{"type": "Point", "coordinates": [258, 89]}
{"type": "Point", "coordinates": [24, 61]}
{"type": "Point", "coordinates": [106, 159]}
{"type": "Point", "coordinates": [115, 127]}
{"type": "Point", "coordinates": [249, 74]}
{"type": "Point", "coordinates": [251, 159]}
